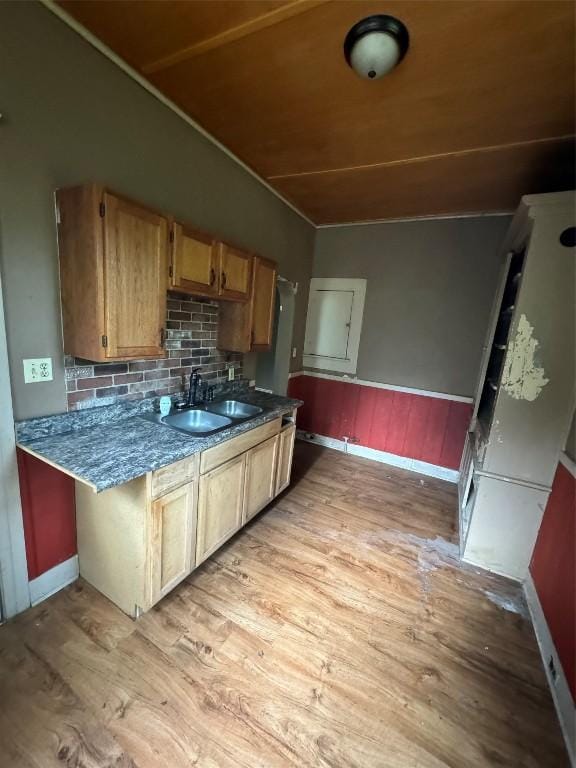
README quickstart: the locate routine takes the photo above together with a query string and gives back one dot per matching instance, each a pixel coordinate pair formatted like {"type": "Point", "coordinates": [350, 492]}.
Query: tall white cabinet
{"type": "Point", "coordinates": [525, 392]}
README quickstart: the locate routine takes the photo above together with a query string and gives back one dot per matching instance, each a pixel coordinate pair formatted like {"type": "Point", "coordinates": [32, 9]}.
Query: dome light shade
{"type": "Point", "coordinates": [375, 45]}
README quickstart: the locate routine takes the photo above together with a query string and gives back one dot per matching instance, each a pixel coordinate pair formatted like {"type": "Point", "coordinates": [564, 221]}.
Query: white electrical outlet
{"type": "Point", "coordinates": [294, 351]}
{"type": "Point", "coordinates": [37, 369]}
{"type": "Point", "coordinates": [230, 374]}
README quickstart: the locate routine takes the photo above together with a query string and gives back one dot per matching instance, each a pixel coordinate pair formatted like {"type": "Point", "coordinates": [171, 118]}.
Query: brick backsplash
{"type": "Point", "coordinates": [191, 333]}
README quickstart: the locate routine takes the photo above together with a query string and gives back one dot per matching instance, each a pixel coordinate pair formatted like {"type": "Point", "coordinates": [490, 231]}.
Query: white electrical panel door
{"type": "Point", "coordinates": [334, 323]}
{"type": "Point", "coordinates": [328, 326]}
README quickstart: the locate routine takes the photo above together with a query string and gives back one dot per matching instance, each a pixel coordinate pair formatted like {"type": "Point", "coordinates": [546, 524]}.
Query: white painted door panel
{"type": "Point", "coordinates": [328, 327]}
{"type": "Point", "coordinates": [334, 323]}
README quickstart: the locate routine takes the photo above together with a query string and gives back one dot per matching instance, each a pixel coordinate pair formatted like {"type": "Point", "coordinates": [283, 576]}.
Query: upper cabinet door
{"type": "Point", "coordinates": [235, 273]}
{"type": "Point", "coordinates": [194, 266]}
{"type": "Point", "coordinates": [247, 326]}
{"type": "Point", "coordinates": [264, 299]}
{"type": "Point", "coordinates": [135, 255]}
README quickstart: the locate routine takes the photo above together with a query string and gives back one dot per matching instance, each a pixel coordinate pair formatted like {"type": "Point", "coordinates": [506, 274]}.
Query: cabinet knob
{"type": "Point", "coordinates": [223, 280]}
{"type": "Point", "coordinates": [212, 276]}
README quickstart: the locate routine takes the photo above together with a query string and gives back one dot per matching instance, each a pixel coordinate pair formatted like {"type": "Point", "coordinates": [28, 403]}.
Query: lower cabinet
{"type": "Point", "coordinates": [285, 454]}
{"type": "Point", "coordinates": [220, 502]}
{"type": "Point", "coordinates": [173, 534]}
{"type": "Point", "coordinates": [260, 484]}
{"type": "Point", "coordinates": [137, 541]}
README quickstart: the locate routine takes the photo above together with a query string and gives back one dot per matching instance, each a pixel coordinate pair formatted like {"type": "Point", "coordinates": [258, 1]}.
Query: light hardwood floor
{"type": "Point", "coordinates": [337, 629]}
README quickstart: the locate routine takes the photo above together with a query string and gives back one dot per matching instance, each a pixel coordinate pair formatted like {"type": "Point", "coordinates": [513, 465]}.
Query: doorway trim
{"type": "Point", "coordinates": [14, 588]}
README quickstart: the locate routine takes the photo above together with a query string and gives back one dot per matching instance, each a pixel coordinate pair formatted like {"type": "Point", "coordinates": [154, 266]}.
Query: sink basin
{"type": "Point", "coordinates": [197, 422]}
{"type": "Point", "coordinates": [234, 409]}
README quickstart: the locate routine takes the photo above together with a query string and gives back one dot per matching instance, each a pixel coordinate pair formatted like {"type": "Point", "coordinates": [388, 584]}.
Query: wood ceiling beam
{"type": "Point", "coordinates": [425, 158]}
{"type": "Point", "coordinates": [291, 9]}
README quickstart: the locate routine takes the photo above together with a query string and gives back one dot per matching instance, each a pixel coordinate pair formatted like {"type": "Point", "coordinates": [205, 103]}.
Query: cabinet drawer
{"type": "Point", "coordinates": [173, 475]}
{"type": "Point", "coordinates": [213, 457]}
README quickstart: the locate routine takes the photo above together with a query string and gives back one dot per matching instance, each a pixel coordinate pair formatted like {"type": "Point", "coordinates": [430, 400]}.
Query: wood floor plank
{"type": "Point", "coordinates": [337, 630]}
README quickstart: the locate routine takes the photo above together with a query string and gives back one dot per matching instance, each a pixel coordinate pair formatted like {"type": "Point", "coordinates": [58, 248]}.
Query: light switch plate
{"type": "Point", "coordinates": [230, 374]}
{"type": "Point", "coordinates": [37, 369]}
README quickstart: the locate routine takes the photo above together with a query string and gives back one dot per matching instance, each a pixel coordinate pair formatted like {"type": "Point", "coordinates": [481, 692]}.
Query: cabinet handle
{"type": "Point", "coordinates": [223, 280]}
{"type": "Point", "coordinates": [162, 336]}
{"type": "Point", "coordinates": [212, 276]}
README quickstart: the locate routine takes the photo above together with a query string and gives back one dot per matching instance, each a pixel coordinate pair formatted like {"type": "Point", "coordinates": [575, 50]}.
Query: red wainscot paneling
{"type": "Point", "coordinates": [49, 513]}
{"type": "Point", "coordinates": [553, 570]}
{"type": "Point", "coordinates": [429, 429]}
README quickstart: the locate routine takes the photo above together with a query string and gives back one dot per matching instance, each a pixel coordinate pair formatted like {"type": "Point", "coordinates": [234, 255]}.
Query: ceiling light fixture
{"type": "Point", "coordinates": [375, 45]}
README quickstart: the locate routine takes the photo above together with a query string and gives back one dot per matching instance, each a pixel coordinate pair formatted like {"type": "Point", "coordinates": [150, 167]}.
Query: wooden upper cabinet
{"type": "Point", "coordinates": [263, 300]}
{"type": "Point", "coordinates": [194, 266]}
{"type": "Point", "coordinates": [235, 273]}
{"type": "Point", "coordinates": [249, 327]}
{"type": "Point", "coordinates": [113, 262]}
{"type": "Point", "coordinates": [135, 250]}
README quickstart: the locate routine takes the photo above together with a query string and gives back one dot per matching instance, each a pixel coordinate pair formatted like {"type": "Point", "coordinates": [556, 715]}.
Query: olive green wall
{"type": "Point", "coordinates": [71, 116]}
{"type": "Point", "coordinates": [428, 298]}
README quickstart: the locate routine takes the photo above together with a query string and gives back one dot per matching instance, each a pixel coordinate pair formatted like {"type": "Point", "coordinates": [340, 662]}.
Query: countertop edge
{"type": "Point", "coordinates": [275, 412]}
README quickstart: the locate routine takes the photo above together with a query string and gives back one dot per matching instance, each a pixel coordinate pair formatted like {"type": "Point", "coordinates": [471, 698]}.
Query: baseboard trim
{"type": "Point", "coordinates": [559, 688]}
{"type": "Point", "coordinates": [53, 580]}
{"type": "Point", "coordinates": [413, 465]}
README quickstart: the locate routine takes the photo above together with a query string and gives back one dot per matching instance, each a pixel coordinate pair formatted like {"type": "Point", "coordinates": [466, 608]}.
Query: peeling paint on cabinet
{"type": "Point", "coordinates": [523, 378]}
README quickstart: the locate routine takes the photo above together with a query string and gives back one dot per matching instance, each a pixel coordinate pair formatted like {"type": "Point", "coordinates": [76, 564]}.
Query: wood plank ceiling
{"type": "Point", "coordinates": [480, 111]}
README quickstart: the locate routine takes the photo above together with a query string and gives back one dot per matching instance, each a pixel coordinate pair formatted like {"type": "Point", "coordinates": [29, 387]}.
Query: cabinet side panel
{"type": "Point", "coordinates": [264, 299]}
{"type": "Point", "coordinates": [81, 272]}
{"type": "Point", "coordinates": [536, 395]}
{"type": "Point", "coordinates": [286, 452]}
{"type": "Point", "coordinates": [112, 536]}
{"type": "Point", "coordinates": [503, 526]}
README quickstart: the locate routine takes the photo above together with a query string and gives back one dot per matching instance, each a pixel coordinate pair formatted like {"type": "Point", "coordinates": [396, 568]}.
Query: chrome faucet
{"type": "Point", "coordinates": [195, 381]}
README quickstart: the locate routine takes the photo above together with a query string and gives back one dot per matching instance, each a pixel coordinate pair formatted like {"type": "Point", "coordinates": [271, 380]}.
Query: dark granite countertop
{"type": "Point", "coordinates": [116, 445]}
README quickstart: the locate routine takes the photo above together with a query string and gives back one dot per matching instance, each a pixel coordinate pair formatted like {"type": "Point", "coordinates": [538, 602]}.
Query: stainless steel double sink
{"type": "Point", "coordinates": [207, 419]}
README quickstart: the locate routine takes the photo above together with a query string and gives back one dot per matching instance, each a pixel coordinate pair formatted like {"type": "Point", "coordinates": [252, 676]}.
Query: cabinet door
{"type": "Point", "coordinates": [260, 485]}
{"type": "Point", "coordinates": [220, 502]}
{"type": "Point", "coordinates": [194, 267]}
{"type": "Point", "coordinates": [235, 273]}
{"type": "Point", "coordinates": [263, 300]}
{"type": "Point", "coordinates": [245, 327]}
{"type": "Point", "coordinates": [135, 264]}
{"type": "Point", "coordinates": [285, 454]}
{"type": "Point", "coordinates": [173, 536]}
